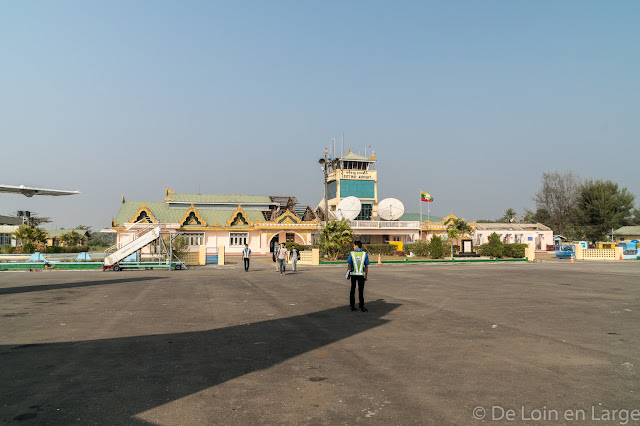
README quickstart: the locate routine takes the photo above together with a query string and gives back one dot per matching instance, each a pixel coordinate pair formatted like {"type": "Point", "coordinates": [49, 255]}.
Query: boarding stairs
{"type": "Point", "coordinates": [130, 245]}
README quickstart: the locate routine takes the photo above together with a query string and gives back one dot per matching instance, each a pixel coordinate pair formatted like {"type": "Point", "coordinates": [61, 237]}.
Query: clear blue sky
{"type": "Point", "coordinates": [470, 101]}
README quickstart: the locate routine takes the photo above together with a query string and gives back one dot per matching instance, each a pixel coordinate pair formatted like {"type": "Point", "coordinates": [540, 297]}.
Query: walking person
{"type": "Point", "coordinates": [246, 256]}
{"type": "Point", "coordinates": [282, 258]}
{"type": "Point", "coordinates": [357, 270]}
{"type": "Point", "coordinates": [294, 255]}
{"type": "Point", "coordinates": [276, 246]}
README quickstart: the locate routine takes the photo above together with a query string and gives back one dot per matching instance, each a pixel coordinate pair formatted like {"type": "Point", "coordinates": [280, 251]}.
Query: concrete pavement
{"type": "Point", "coordinates": [221, 346]}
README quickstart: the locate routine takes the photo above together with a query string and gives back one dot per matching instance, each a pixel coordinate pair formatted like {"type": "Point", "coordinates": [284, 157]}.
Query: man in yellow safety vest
{"type": "Point", "coordinates": [357, 270]}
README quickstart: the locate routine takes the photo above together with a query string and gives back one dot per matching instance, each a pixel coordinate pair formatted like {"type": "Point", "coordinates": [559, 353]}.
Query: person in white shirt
{"type": "Point", "coordinates": [282, 258]}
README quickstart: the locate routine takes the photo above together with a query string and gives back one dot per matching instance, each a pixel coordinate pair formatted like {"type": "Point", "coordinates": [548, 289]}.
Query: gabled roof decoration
{"type": "Point", "coordinates": [239, 218]}
{"type": "Point", "coordinates": [138, 215]}
{"type": "Point", "coordinates": [192, 217]}
{"type": "Point", "coordinates": [287, 217]}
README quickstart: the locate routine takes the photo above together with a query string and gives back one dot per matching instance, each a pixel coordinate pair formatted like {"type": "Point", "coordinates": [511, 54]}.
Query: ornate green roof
{"type": "Point", "coordinates": [219, 198]}
{"type": "Point", "coordinates": [164, 213]}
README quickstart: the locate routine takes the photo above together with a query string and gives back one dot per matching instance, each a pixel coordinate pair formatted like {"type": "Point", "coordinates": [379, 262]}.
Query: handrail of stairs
{"type": "Point", "coordinates": [133, 237]}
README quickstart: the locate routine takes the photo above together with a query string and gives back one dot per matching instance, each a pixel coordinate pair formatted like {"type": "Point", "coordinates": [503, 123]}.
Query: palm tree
{"type": "Point", "coordinates": [509, 216]}
{"type": "Point", "coordinates": [336, 238]}
{"type": "Point", "coordinates": [27, 235]}
{"type": "Point", "coordinates": [452, 233]}
{"type": "Point", "coordinates": [71, 238]}
{"type": "Point", "coordinates": [457, 229]}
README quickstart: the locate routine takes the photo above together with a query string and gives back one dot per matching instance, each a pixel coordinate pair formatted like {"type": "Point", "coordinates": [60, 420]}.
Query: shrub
{"type": "Point", "coordinates": [384, 249]}
{"type": "Point", "coordinates": [446, 247]}
{"type": "Point", "coordinates": [514, 250]}
{"type": "Point", "coordinates": [494, 248]}
{"type": "Point", "coordinates": [28, 248]}
{"type": "Point", "coordinates": [399, 253]}
{"type": "Point", "coordinates": [8, 249]}
{"type": "Point", "coordinates": [436, 248]}
{"type": "Point", "coordinates": [300, 247]}
{"type": "Point", "coordinates": [419, 248]}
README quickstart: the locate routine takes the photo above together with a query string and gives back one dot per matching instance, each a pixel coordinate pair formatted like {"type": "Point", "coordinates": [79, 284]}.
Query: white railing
{"type": "Point", "coordinates": [140, 230]}
{"type": "Point", "coordinates": [377, 224]}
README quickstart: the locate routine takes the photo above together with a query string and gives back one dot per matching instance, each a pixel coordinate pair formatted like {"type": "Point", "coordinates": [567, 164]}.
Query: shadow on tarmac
{"type": "Point", "coordinates": [31, 288]}
{"type": "Point", "coordinates": [110, 381]}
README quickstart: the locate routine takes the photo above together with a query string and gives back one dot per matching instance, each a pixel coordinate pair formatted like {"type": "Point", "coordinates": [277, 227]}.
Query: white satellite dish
{"type": "Point", "coordinates": [349, 208]}
{"type": "Point", "coordinates": [390, 209]}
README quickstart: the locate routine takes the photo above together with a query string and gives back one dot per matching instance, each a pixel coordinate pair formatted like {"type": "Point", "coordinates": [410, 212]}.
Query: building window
{"type": "Point", "coordinates": [5, 239]}
{"type": "Point", "coordinates": [238, 239]}
{"type": "Point", "coordinates": [194, 239]}
{"type": "Point", "coordinates": [332, 190]}
{"type": "Point", "coordinates": [357, 188]}
{"type": "Point", "coordinates": [365, 212]}
{"type": "Point", "coordinates": [291, 238]}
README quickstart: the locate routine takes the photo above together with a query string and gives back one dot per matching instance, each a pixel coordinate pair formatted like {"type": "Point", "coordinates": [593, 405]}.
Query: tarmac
{"type": "Point", "coordinates": [465, 344]}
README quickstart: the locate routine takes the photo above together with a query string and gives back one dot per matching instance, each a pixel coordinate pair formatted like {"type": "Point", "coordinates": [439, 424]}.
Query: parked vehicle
{"type": "Point", "coordinates": [565, 251]}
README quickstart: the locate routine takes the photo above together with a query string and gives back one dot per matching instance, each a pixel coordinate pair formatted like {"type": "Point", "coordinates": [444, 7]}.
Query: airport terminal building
{"type": "Point", "coordinates": [213, 221]}
{"type": "Point", "coordinates": [210, 221]}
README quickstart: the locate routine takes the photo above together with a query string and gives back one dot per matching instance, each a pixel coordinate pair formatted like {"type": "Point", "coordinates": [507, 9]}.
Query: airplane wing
{"type": "Point", "coordinates": [31, 191]}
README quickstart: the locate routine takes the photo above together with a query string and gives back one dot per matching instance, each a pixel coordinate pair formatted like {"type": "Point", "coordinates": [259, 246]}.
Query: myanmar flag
{"type": "Point", "coordinates": [425, 197]}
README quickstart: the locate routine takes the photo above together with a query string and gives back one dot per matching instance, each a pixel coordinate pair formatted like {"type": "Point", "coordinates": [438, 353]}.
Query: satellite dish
{"type": "Point", "coordinates": [390, 209]}
{"type": "Point", "coordinates": [349, 208]}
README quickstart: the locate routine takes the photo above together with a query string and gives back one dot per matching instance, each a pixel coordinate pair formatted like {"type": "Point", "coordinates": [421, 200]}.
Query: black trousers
{"type": "Point", "coordinates": [352, 295]}
{"type": "Point", "coordinates": [246, 263]}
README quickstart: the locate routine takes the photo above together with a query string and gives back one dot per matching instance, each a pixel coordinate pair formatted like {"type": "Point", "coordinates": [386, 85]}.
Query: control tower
{"type": "Point", "coordinates": [353, 175]}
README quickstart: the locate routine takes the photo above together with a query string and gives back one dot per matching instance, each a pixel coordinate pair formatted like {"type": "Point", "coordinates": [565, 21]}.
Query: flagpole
{"type": "Point", "coordinates": [420, 230]}
{"type": "Point", "coordinates": [429, 212]}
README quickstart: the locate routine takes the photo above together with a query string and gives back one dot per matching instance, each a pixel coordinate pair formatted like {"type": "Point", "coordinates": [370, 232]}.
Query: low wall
{"type": "Point", "coordinates": [598, 254]}
{"type": "Point", "coordinates": [190, 258]}
{"type": "Point", "coordinates": [309, 257]}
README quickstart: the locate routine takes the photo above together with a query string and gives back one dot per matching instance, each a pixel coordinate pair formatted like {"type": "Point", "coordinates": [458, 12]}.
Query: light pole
{"type": "Point", "coordinates": [323, 165]}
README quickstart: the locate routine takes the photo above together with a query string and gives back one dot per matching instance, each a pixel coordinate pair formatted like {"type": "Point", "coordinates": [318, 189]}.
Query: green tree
{"type": "Point", "coordinates": [436, 248]}
{"type": "Point", "coordinates": [452, 234]}
{"type": "Point", "coordinates": [601, 207]}
{"type": "Point", "coordinates": [100, 241]}
{"type": "Point", "coordinates": [456, 230]}
{"type": "Point", "coordinates": [71, 238]}
{"type": "Point", "coordinates": [27, 236]}
{"type": "Point", "coordinates": [635, 220]}
{"type": "Point", "coordinates": [336, 239]}
{"type": "Point", "coordinates": [509, 216]}
{"type": "Point", "coordinates": [541, 215]}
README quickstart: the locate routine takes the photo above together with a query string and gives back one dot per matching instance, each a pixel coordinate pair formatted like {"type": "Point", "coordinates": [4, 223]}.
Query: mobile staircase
{"type": "Point", "coordinates": [119, 251]}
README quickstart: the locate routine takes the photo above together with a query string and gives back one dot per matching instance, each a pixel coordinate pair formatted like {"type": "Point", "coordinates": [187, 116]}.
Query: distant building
{"type": "Point", "coordinates": [8, 225]}
{"type": "Point", "coordinates": [626, 234]}
{"type": "Point", "coordinates": [510, 233]}
{"type": "Point", "coordinates": [54, 236]}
